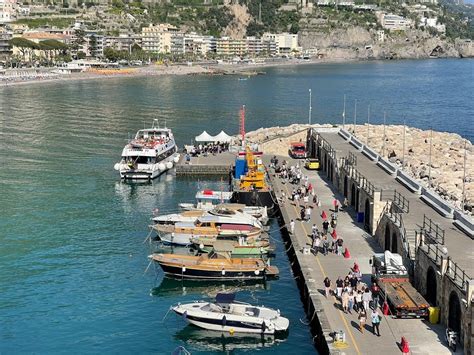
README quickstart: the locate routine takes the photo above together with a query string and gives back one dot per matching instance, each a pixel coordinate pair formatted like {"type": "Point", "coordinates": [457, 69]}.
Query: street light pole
{"type": "Point", "coordinates": [464, 177]}
{"type": "Point", "coordinates": [384, 137]}
{"type": "Point", "coordinates": [429, 166]}
{"type": "Point", "coordinates": [355, 115]}
{"type": "Point", "coordinates": [344, 113]}
{"type": "Point", "coordinates": [310, 108]}
{"type": "Point", "coordinates": [368, 122]}
{"type": "Point", "coordinates": [403, 154]}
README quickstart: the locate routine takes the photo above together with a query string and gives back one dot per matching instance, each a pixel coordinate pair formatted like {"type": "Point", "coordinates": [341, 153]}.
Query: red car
{"type": "Point", "coordinates": [297, 150]}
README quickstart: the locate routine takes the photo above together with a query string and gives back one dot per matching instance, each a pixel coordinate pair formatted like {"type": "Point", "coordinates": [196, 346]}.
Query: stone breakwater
{"type": "Point", "coordinates": [447, 154]}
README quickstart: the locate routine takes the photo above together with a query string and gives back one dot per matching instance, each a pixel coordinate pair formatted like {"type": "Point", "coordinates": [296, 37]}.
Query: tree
{"type": "Point", "coordinates": [25, 46]}
{"type": "Point", "coordinates": [79, 40]}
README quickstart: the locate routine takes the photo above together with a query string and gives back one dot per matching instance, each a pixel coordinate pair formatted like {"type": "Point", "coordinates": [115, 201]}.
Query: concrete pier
{"type": "Point", "coordinates": [218, 164]}
{"type": "Point", "coordinates": [325, 314]}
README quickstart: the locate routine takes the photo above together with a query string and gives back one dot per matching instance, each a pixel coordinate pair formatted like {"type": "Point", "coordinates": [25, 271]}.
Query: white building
{"type": "Point", "coordinates": [433, 23]}
{"type": "Point", "coordinates": [7, 11]}
{"type": "Point", "coordinates": [394, 22]}
{"type": "Point", "coordinates": [285, 42]}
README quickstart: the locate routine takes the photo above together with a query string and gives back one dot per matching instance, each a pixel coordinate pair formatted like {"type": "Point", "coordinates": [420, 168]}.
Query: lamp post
{"type": "Point", "coordinates": [429, 165]}
{"type": "Point", "coordinates": [404, 135]}
{"type": "Point", "coordinates": [384, 132]}
{"type": "Point", "coordinates": [310, 108]}
{"type": "Point", "coordinates": [344, 113]}
{"type": "Point", "coordinates": [464, 177]}
{"type": "Point", "coordinates": [355, 115]}
{"type": "Point", "coordinates": [368, 123]}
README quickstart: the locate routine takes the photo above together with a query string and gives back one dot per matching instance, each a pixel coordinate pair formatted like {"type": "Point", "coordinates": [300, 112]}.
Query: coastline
{"type": "Point", "coordinates": [179, 70]}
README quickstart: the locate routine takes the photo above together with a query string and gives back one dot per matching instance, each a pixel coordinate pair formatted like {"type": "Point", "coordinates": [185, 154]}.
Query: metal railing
{"type": "Point", "coordinates": [401, 202]}
{"type": "Point", "coordinates": [434, 252]}
{"type": "Point", "coordinates": [432, 230]}
{"type": "Point", "coordinates": [457, 275]}
{"type": "Point", "coordinates": [352, 159]}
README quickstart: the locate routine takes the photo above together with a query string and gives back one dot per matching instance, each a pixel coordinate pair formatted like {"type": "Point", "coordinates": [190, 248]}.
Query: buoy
{"type": "Point", "coordinates": [231, 331]}
{"type": "Point", "coordinates": [324, 215]}
{"type": "Point", "coordinates": [257, 272]}
{"type": "Point", "coordinates": [404, 345]}
{"type": "Point", "coordinates": [201, 246]}
{"type": "Point", "coordinates": [385, 309]}
{"type": "Point", "coordinates": [161, 166]}
{"type": "Point", "coordinates": [223, 272]}
{"type": "Point", "coordinates": [347, 254]}
{"type": "Point", "coordinates": [176, 159]}
{"type": "Point", "coordinates": [117, 166]}
{"type": "Point", "coordinates": [169, 164]}
{"type": "Point", "coordinates": [183, 269]}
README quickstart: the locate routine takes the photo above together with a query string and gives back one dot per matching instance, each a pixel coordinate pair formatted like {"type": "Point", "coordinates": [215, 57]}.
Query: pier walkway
{"type": "Point", "coordinates": [423, 338]}
{"type": "Point", "coordinates": [459, 245]}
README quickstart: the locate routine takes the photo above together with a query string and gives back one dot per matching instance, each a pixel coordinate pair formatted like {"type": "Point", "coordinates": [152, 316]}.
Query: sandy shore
{"type": "Point", "coordinates": [157, 70]}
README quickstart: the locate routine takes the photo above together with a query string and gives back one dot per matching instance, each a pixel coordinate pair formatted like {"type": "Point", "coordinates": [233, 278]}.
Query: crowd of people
{"type": "Point", "coordinates": [206, 149]}
{"type": "Point", "coordinates": [354, 295]}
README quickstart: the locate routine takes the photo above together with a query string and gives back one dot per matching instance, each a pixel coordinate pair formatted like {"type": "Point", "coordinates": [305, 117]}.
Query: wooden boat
{"type": "Point", "coordinates": [217, 265]}
{"type": "Point", "coordinates": [242, 246]}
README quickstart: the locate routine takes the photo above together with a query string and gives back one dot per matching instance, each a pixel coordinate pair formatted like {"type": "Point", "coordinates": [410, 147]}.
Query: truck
{"type": "Point", "coordinates": [297, 150]}
{"type": "Point", "coordinates": [391, 276]}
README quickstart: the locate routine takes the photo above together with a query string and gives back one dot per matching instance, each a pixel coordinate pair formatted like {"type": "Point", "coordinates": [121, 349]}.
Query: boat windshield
{"type": "Point", "coordinates": [252, 311]}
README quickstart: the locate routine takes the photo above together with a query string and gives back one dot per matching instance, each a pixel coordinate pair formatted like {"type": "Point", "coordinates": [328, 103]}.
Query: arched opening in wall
{"type": "Point", "coordinates": [387, 237]}
{"type": "Point", "coordinates": [431, 287]}
{"type": "Point", "coordinates": [331, 172]}
{"type": "Point", "coordinates": [454, 315]}
{"type": "Point", "coordinates": [367, 216]}
{"type": "Point", "coordinates": [326, 163]}
{"type": "Point", "coordinates": [394, 248]}
{"type": "Point", "coordinates": [353, 195]}
{"type": "Point", "coordinates": [345, 186]}
{"type": "Point", "coordinates": [357, 200]}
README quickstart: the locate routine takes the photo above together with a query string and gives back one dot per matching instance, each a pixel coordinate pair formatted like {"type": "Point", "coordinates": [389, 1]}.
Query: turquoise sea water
{"type": "Point", "coordinates": [72, 257]}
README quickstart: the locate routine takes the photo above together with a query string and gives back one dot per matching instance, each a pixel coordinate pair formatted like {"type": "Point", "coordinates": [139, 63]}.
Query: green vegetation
{"type": "Point", "coordinates": [59, 22]}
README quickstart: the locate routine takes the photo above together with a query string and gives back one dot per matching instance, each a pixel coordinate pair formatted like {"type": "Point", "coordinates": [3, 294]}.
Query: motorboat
{"type": "Point", "coordinates": [216, 265]}
{"type": "Point", "coordinates": [209, 199]}
{"type": "Point", "coordinates": [181, 233]}
{"type": "Point", "coordinates": [152, 152]}
{"type": "Point", "coordinates": [228, 315]}
{"type": "Point", "coordinates": [242, 246]}
{"type": "Point", "coordinates": [227, 215]}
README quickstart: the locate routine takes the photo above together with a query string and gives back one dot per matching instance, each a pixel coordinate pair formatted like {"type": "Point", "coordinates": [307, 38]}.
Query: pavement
{"type": "Point", "coordinates": [423, 337]}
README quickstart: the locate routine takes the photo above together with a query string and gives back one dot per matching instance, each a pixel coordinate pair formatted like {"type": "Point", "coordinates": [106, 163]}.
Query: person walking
{"type": "Point", "coordinates": [351, 302]}
{"type": "Point", "coordinates": [362, 319]}
{"type": "Point", "coordinates": [327, 287]}
{"type": "Point", "coordinates": [375, 289]}
{"type": "Point", "coordinates": [325, 227]}
{"type": "Point", "coordinates": [307, 214]}
{"type": "Point", "coordinates": [375, 317]}
{"type": "Point", "coordinates": [345, 301]}
{"type": "Point", "coordinates": [366, 298]}
{"type": "Point", "coordinates": [339, 286]}
{"type": "Point", "coordinates": [325, 243]}
{"type": "Point", "coordinates": [292, 227]}
{"type": "Point", "coordinates": [316, 244]}
{"type": "Point", "coordinates": [358, 300]}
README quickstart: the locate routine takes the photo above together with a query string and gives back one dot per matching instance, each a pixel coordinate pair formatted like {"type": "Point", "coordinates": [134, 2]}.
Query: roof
{"type": "Point", "coordinates": [204, 137]}
{"type": "Point", "coordinates": [222, 137]}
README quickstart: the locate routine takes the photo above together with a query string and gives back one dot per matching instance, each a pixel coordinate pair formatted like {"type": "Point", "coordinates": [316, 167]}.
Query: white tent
{"type": "Point", "coordinates": [222, 137]}
{"type": "Point", "coordinates": [204, 137]}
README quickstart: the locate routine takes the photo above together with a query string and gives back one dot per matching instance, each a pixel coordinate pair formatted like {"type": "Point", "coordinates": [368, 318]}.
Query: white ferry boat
{"type": "Point", "coordinates": [152, 152]}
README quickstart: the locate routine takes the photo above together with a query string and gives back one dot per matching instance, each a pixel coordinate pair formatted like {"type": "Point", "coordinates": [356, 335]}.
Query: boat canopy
{"type": "Point", "coordinates": [204, 137]}
{"type": "Point", "coordinates": [222, 137]}
{"type": "Point", "coordinates": [225, 297]}
{"type": "Point", "coordinates": [223, 246]}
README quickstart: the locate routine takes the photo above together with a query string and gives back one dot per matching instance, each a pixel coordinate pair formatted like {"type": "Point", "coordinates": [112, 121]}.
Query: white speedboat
{"type": "Point", "coordinates": [228, 315]}
{"type": "Point", "coordinates": [152, 152]}
{"type": "Point", "coordinates": [220, 214]}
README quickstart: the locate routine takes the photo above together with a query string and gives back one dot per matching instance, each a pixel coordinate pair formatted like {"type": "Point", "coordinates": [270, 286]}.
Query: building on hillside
{"type": "Point", "coordinates": [229, 47]}
{"type": "Point", "coordinates": [5, 48]}
{"type": "Point", "coordinates": [37, 37]}
{"type": "Point", "coordinates": [433, 23]}
{"type": "Point", "coordinates": [380, 36]}
{"type": "Point", "coordinates": [258, 46]}
{"type": "Point", "coordinates": [195, 44]}
{"type": "Point", "coordinates": [7, 11]}
{"type": "Point", "coordinates": [122, 42]}
{"type": "Point", "coordinates": [96, 44]}
{"type": "Point", "coordinates": [334, 2]}
{"type": "Point", "coordinates": [158, 38]}
{"type": "Point", "coordinates": [285, 43]}
{"type": "Point", "coordinates": [393, 22]}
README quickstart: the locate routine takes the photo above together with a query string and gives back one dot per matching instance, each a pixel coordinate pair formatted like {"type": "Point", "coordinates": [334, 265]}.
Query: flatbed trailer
{"type": "Point", "coordinates": [402, 297]}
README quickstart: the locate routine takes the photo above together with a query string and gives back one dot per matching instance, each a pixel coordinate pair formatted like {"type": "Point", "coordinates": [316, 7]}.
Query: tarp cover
{"type": "Point", "coordinates": [204, 137]}
{"type": "Point", "coordinates": [225, 297]}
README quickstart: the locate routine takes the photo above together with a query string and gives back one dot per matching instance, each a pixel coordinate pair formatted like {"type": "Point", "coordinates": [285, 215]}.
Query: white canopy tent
{"type": "Point", "coordinates": [204, 137]}
{"type": "Point", "coordinates": [222, 137]}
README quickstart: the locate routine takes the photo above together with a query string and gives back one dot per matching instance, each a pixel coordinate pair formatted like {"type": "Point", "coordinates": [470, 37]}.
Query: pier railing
{"type": "Point", "coordinates": [352, 159]}
{"type": "Point", "coordinates": [457, 275]}
{"type": "Point", "coordinates": [432, 230]}
{"type": "Point", "coordinates": [397, 219]}
{"type": "Point", "coordinates": [433, 251]}
{"type": "Point", "coordinates": [398, 200]}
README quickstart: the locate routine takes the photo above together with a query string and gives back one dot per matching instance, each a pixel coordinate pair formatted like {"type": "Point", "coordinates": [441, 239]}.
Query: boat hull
{"type": "Point", "coordinates": [231, 326]}
{"type": "Point", "coordinates": [192, 273]}
{"type": "Point", "coordinates": [255, 198]}
{"type": "Point", "coordinates": [241, 250]}
{"type": "Point", "coordinates": [152, 171]}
